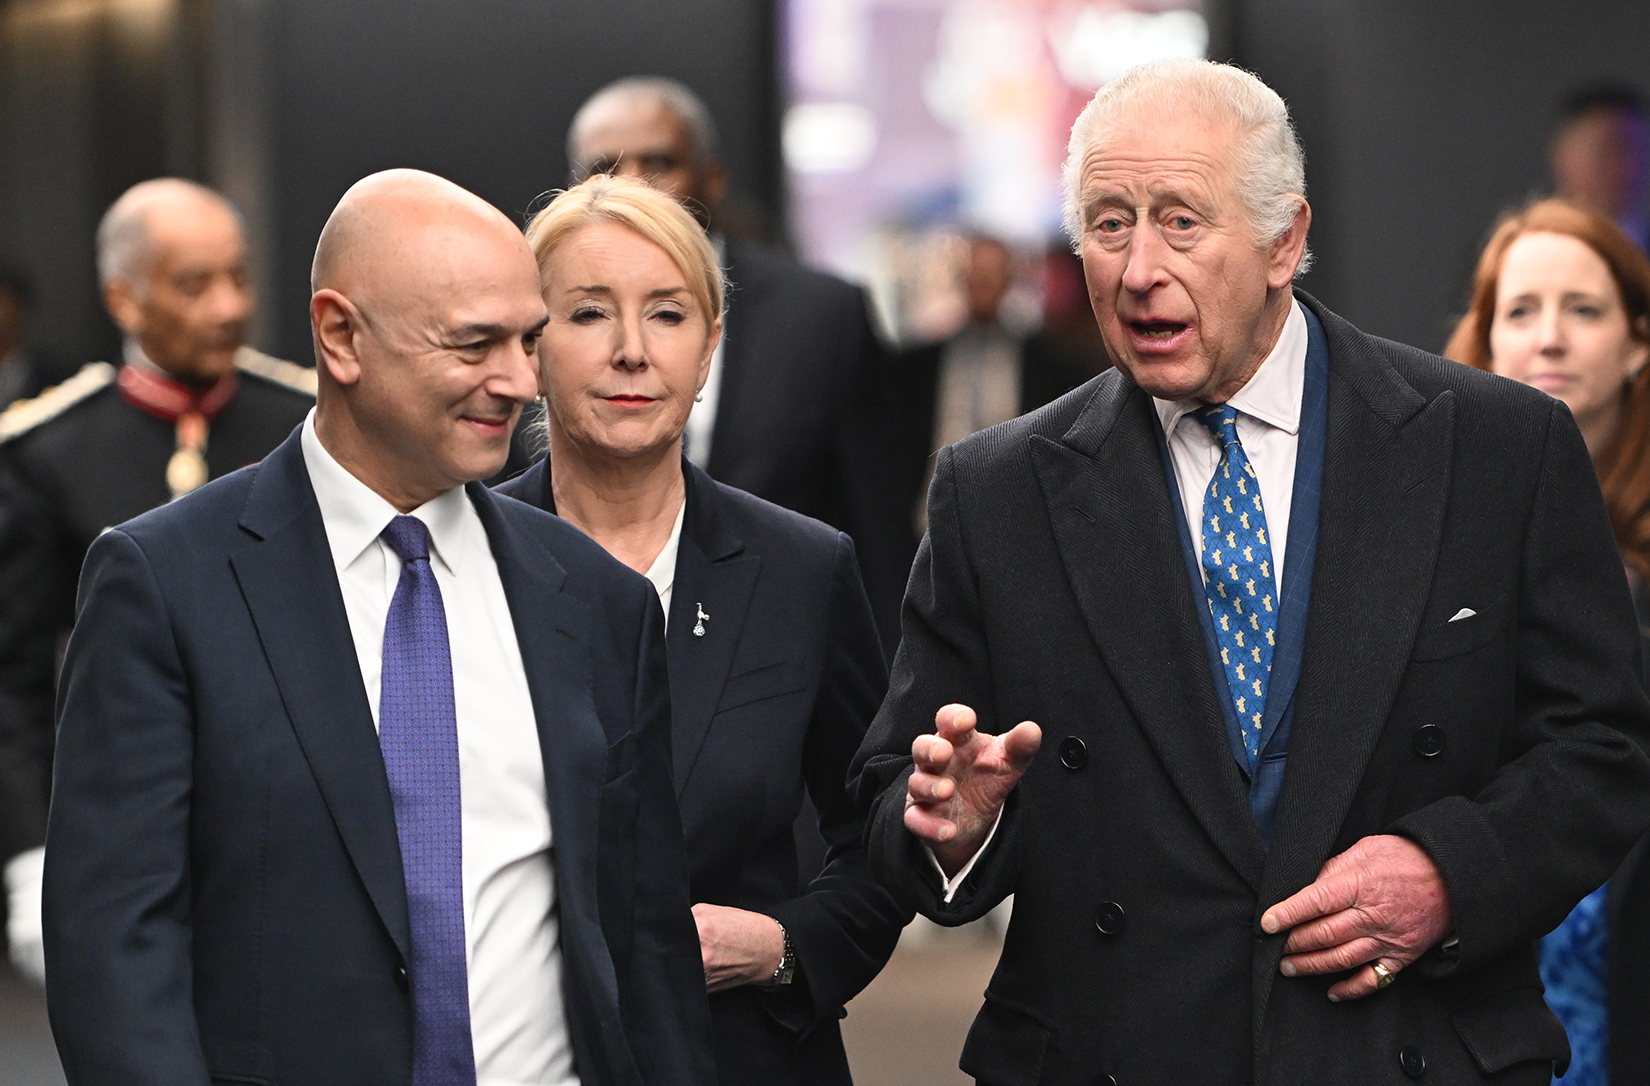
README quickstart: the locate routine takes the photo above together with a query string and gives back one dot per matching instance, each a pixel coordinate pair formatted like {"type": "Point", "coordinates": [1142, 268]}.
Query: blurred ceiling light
{"type": "Point", "coordinates": [142, 16]}
{"type": "Point", "coordinates": [829, 137]}
{"type": "Point", "coordinates": [1094, 45]}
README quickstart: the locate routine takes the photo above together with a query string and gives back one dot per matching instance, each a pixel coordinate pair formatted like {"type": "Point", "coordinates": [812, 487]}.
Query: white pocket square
{"type": "Point", "coordinates": [1465, 612]}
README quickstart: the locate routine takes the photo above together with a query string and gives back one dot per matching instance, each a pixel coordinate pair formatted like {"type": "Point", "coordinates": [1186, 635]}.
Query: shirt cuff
{"type": "Point", "coordinates": [951, 885]}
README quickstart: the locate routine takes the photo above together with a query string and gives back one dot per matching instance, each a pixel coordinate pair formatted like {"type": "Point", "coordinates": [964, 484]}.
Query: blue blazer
{"type": "Point", "coordinates": [769, 703]}
{"type": "Point", "coordinates": [224, 896]}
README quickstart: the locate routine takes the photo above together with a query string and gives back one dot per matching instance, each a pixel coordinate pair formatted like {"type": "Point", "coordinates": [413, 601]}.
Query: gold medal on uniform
{"type": "Point", "coordinates": [186, 470]}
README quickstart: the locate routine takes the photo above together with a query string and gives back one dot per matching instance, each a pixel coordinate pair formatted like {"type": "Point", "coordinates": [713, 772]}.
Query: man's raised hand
{"type": "Point", "coordinates": [961, 781]}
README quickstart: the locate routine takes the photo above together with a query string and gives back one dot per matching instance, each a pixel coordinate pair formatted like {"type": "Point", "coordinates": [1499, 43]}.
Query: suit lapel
{"type": "Point", "coordinates": [1386, 480]}
{"type": "Point", "coordinates": [553, 630]}
{"type": "Point", "coordinates": [1108, 503]}
{"type": "Point", "coordinates": [291, 589]}
{"type": "Point", "coordinates": [713, 572]}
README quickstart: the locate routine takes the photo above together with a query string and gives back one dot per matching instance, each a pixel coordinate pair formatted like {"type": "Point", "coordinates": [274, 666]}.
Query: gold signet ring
{"type": "Point", "coordinates": [1383, 976]}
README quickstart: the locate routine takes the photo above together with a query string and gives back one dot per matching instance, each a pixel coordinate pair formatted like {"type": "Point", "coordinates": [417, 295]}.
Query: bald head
{"type": "Point", "coordinates": [126, 236]}
{"type": "Point", "coordinates": [426, 314]}
{"type": "Point", "coordinates": [172, 262]}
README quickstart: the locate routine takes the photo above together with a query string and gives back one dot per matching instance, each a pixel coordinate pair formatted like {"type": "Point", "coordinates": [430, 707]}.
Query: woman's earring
{"type": "Point", "coordinates": [699, 396]}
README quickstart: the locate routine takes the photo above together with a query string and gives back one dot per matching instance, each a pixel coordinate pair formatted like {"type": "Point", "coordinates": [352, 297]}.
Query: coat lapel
{"type": "Point", "coordinates": [1108, 503]}
{"type": "Point", "coordinates": [553, 630]}
{"type": "Point", "coordinates": [291, 589]}
{"type": "Point", "coordinates": [713, 572]}
{"type": "Point", "coordinates": [1386, 481]}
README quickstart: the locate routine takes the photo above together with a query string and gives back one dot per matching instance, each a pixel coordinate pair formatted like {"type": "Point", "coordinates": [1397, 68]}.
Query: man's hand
{"type": "Point", "coordinates": [737, 947]}
{"type": "Point", "coordinates": [962, 779]}
{"type": "Point", "coordinates": [1382, 900]}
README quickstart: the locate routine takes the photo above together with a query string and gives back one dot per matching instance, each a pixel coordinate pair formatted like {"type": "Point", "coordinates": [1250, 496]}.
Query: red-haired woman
{"type": "Point", "coordinates": [1561, 301]}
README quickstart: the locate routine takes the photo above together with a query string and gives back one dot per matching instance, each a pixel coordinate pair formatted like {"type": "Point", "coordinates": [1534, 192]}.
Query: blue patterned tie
{"type": "Point", "coordinates": [418, 732]}
{"type": "Point", "coordinates": [1238, 576]}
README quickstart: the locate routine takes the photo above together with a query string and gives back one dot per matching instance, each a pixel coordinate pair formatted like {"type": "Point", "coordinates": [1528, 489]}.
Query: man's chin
{"type": "Point", "coordinates": [1167, 379]}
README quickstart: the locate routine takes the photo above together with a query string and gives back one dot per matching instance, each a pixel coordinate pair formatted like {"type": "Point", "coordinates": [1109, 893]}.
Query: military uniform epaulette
{"type": "Point", "coordinates": [25, 415]}
{"type": "Point", "coordinates": [293, 376]}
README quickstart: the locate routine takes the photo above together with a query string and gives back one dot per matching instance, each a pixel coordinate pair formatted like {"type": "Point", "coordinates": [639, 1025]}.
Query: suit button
{"type": "Point", "coordinates": [1106, 1080]}
{"type": "Point", "coordinates": [1429, 740]}
{"type": "Point", "coordinates": [401, 977]}
{"type": "Point", "coordinates": [1411, 1060]}
{"type": "Point", "coordinates": [1108, 918]}
{"type": "Point", "coordinates": [1073, 753]}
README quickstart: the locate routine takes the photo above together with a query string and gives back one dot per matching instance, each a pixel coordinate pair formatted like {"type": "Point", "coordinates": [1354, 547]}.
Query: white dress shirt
{"type": "Point", "coordinates": [663, 570]}
{"type": "Point", "coordinates": [1269, 425]}
{"type": "Point", "coordinates": [512, 938]}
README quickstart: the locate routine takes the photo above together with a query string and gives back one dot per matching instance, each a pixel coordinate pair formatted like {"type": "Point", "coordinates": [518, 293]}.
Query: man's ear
{"type": "Point", "coordinates": [1287, 251]}
{"type": "Point", "coordinates": [120, 299]}
{"type": "Point", "coordinates": [337, 326]}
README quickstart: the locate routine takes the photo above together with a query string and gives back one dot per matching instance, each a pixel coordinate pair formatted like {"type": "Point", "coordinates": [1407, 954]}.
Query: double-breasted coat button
{"type": "Point", "coordinates": [1429, 740]}
{"type": "Point", "coordinates": [1074, 754]}
{"type": "Point", "coordinates": [1411, 1060]}
{"type": "Point", "coordinates": [401, 977]}
{"type": "Point", "coordinates": [1108, 918]}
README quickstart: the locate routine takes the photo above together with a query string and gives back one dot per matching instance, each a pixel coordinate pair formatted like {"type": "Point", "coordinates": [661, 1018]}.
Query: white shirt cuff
{"type": "Point", "coordinates": [950, 885]}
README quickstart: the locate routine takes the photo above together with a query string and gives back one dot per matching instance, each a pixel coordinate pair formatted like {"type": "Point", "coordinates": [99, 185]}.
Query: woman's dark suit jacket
{"type": "Point", "coordinates": [772, 699]}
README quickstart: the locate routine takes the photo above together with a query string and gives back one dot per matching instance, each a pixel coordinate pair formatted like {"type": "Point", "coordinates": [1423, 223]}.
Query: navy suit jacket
{"type": "Point", "coordinates": [770, 701]}
{"type": "Point", "coordinates": [224, 894]}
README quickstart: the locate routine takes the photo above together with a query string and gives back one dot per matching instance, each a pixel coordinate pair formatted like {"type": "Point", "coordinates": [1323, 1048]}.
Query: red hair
{"type": "Point", "coordinates": [1623, 465]}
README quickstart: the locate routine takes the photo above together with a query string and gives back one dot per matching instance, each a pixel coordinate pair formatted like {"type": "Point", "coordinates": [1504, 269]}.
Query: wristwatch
{"type": "Point", "coordinates": [787, 962]}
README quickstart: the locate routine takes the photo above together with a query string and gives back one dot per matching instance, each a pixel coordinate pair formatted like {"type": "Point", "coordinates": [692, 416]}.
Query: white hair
{"type": "Point", "coordinates": [1270, 165]}
{"type": "Point", "coordinates": [125, 249]}
{"type": "Point", "coordinates": [674, 95]}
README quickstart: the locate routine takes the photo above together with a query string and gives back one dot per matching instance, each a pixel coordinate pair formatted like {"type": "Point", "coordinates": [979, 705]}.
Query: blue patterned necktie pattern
{"type": "Point", "coordinates": [418, 733]}
{"type": "Point", "coordinates": [1238, 577]}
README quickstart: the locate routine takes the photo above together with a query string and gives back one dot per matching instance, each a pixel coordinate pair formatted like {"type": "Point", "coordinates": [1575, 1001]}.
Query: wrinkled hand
{"type": "Point", "coordinates": [736, 946]}
{"type": "Point", "coordinates": [962, 779]}
{"type": "Point", "coordinates": [1382, 900]}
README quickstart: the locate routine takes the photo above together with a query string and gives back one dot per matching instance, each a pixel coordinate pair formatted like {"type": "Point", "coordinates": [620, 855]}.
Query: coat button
{"type": "Point", "coordinates": [1429, 740]}
{"type": "Point", "coordinates": [1073, 753]}
{"type": "Point", "coordinates": [1411, 1060]}
{"type": "Point", "coordinates": [1108, 918]}
{"type": "Point", "coordinates": [1106, 1080]}
{"type": "Point", "coordinates": [401, 977]}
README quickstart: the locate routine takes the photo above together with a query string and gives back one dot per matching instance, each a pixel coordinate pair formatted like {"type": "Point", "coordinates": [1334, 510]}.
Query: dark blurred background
{"type": "Point", "coordinates": [1421, 120]}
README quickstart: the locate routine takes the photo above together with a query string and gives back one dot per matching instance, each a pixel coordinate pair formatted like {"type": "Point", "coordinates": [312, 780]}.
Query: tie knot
{"type": "Point", "coordinates": [1221, 419]}
{"type": "Point", "coordinates": [408, 537]}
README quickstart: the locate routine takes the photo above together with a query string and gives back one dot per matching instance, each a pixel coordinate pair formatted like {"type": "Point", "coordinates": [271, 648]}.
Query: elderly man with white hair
{"type": "Point", "coordinates": [188, 402]}
{"type": "Point", "coordinates": [1332, 652]}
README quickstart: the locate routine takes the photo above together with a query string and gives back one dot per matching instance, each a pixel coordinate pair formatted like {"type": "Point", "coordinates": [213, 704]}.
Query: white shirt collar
{"type": "Point", "coordinates": [355, 514]}
{"type": "Point", "coordinates": [663, 570]}
{"type": "Point", "coordinates": [1273, 394]}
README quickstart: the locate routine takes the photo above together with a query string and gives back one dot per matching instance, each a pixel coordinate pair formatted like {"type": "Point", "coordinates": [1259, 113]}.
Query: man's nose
{"type": "Point", "coordinates": [518, 377]}
{"type": "Point", "coordinates": [1144, 269]}
{"type": "Point", "coordinates": [230, 301]}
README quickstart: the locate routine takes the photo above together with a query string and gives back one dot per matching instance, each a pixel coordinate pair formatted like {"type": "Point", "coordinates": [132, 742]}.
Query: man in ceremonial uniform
{"type": "Point", "coordinates": [191, 402]}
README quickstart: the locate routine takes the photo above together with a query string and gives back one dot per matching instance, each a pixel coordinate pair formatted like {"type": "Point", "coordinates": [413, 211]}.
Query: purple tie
{"type": "Point", "coordinates": [418, 732]}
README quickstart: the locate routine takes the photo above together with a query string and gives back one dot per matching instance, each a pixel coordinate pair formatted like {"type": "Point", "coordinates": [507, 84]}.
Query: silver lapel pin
{"type": "Point", "coordinates": [699, 627]}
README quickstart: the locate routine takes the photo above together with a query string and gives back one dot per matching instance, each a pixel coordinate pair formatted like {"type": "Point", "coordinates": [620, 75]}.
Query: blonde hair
{"type": "Point", "coordinates": [647, 211]}
{"type": "Point", "coordinates": [1270, 166]}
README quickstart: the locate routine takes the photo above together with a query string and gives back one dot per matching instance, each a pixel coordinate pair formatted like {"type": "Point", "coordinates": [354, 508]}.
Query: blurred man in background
{"type": "Point", "coordinates": [25, 370]}
{"type": "Point", "coordinates": [189, 403]}
{"type": "Point", "coordinates": [782, 414]}
{"type": "Point", "coordinates": [1600, 155]}
{"type": "Point", "coordinates": [988, 372]}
